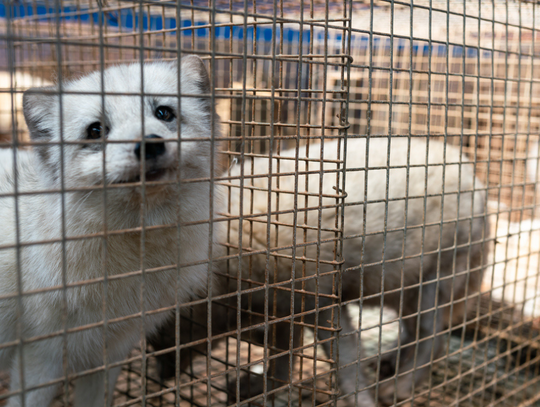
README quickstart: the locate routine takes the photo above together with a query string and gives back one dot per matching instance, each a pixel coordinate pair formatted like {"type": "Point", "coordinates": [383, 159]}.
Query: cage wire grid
{"type": "Point", "coordinates": [301, 90]}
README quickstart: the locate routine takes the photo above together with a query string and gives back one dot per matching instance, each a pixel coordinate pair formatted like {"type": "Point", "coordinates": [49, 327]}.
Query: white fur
{"type": "Point", "coordinates": [381, 244]}
{"type": "Point", "coordinates": [386, 240]}
{"type": "Point", "coordinates": [50, 216]}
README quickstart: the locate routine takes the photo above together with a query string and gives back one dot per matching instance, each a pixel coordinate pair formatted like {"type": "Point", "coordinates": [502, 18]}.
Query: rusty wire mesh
{"type": "Point", "coordinates": [294, 84]}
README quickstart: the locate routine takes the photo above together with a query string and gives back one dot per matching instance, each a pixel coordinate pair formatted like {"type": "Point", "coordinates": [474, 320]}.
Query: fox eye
{"type": "Point", "coordinates": [95, 131]}
{"type": "Point", "coordinates": [164, 113]}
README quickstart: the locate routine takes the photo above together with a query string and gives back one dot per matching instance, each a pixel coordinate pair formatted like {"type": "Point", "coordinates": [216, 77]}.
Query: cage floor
{"type": "Point", "coordinates": [475, 372]}
{"type": "Point", "coordinates": [494, 367]}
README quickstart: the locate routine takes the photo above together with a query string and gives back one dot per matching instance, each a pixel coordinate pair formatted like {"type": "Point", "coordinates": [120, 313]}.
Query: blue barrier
{"type": "Point", "coordinates": [130, 19]}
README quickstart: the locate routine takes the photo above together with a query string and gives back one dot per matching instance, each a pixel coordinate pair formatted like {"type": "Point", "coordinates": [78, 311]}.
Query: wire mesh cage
{"type": "Point", "coordinates": [269, 203]}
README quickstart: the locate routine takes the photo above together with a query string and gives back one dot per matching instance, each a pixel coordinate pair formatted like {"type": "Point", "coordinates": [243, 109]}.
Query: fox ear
{"type": "Point", "coordinates": [37, 106]}
{"type": "Point", "coordinates": [194, 64]}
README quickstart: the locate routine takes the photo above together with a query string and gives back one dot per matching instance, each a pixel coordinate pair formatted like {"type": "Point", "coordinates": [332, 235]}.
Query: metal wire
{"type": "Point", "coordinates": [313, 97]}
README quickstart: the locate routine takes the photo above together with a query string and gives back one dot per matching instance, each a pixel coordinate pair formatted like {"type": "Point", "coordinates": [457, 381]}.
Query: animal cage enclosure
{"type": "Point", "coordinates": [374, 167]}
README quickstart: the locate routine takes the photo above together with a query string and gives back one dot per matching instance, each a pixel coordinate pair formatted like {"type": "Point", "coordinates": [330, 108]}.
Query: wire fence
{"type": "Point", "coordinates": [355, 224]}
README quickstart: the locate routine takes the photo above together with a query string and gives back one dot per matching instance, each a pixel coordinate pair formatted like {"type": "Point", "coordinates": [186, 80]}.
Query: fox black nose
{"type": "Point", "coordinates": [153, 149]}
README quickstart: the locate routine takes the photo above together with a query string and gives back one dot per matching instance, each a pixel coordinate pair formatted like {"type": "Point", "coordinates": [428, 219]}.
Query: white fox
{"type": "Point", "coordinates": [102, 195]}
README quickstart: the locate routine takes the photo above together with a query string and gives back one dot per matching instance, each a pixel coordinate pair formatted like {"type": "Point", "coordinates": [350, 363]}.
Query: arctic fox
{"type": "Point", "coordinates": [98, 226]}
{"type": "Point", "coordinates": [416, 232]}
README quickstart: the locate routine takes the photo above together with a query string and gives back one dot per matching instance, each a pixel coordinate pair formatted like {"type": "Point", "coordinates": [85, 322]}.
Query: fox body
{"type": "Point", "coordinates": [92, 237]}
{"type": "Point", "coordinates": [414, 232]}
